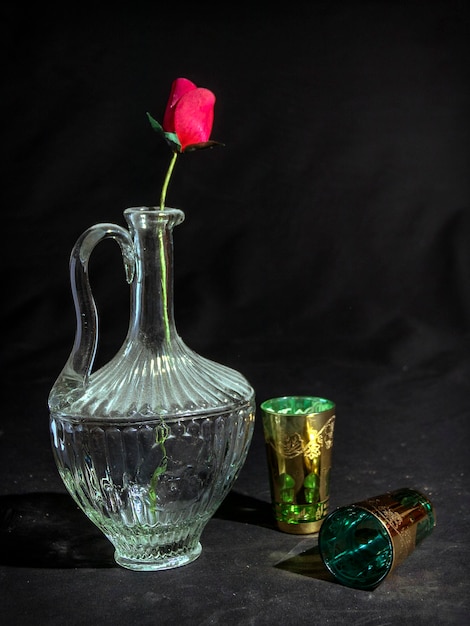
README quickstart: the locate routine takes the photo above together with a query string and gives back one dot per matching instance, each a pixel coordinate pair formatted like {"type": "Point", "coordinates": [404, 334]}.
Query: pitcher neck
{"type": "Point", "coordinates": [152, 317]}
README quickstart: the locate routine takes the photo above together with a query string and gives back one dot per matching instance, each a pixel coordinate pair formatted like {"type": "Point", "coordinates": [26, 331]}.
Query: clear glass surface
{"type": "Point", "coordinates": [150, 444]}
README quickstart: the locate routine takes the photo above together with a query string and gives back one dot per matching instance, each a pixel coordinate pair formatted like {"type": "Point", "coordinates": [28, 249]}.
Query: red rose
{"type": "Point", "coordinates": [189, 113]}
{"type": "Point", "coordinates": [187, 123]}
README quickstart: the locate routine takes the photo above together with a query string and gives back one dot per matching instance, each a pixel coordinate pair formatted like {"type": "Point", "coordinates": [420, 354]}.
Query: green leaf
{"type": "Point", "coordinates": [170, 138]}
{"type": "Point", "coordinates": [173, 141]}
{"type": "Point", "coordinates": [155, 125]}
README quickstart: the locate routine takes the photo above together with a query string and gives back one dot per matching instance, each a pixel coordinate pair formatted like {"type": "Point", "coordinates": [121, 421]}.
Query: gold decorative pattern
{"type": "Point", "coordinates": [292, 445]}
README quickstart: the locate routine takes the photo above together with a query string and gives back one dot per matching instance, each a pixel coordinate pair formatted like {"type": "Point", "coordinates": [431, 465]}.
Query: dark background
{"type": "Point", "coordinates": [326, 250]}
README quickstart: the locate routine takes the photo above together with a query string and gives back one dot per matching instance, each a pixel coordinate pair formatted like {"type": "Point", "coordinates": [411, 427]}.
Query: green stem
{"type": "Point", "coordinates": [163, 262]}
{"type": "Point", "coordinates": [167, 180]}
{"type": "Point", "coordinates": [163, 259]}
{"type": "Point", "coordinates": [162, 433]}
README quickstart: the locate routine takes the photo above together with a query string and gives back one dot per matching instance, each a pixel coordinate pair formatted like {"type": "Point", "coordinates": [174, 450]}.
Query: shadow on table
{"type": "Point", "coordinates": [306, 562]}
{"type": "Point", "coordinates": [238, 507]}
{"type": "Point", "coordinates": [303, 559]}
{"type": "Point", "coordinates": [49, 530]}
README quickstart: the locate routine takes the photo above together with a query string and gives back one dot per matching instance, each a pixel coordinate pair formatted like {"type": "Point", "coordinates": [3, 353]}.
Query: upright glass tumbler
{"type": "Point", "coordinates": [298, 432]}
{"type": "Point", "coordinates": [362, 543]}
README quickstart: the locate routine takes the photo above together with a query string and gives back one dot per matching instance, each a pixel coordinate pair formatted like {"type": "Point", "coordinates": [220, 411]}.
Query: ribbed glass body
{"type": "Point", "coordinates": [150, 444]}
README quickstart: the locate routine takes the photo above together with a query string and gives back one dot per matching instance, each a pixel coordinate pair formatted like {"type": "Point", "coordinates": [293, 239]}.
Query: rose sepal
{"type": "Point", "coordinates": [201, 146]}
{"type": "Point", "coordinates": [173, 141]}
{"type": "Point", "coordinates": [171, 138]}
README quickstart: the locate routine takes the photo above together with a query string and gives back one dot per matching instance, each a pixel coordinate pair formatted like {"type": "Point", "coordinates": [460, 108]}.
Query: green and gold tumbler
{"type": "Point", "coordinates": [298, 432]}
{"type": "Point", "coordinates": [362, 543]}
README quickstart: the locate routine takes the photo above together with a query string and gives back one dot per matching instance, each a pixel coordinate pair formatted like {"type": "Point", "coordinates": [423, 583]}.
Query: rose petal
{"type": "Point", "coordinates": [179, 87]}
{"type": "Point", "coordinates": [194, 116]}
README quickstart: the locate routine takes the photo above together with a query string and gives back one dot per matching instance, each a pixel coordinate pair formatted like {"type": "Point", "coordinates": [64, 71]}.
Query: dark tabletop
{"type": "Point", "coordinates": [325, 251]}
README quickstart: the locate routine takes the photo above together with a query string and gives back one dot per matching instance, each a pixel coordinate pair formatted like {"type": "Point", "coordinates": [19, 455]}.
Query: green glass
{"type": "Point", "coordinates": [298, 431]}
{"type": "Point", "coordinates": [362, 543]}
{"type": "Point", "coordinates": [297, 405]}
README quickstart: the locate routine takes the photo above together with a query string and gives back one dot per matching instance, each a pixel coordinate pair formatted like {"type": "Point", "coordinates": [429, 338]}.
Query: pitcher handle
{"type": "Point", "coordinates": [81, 358]}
